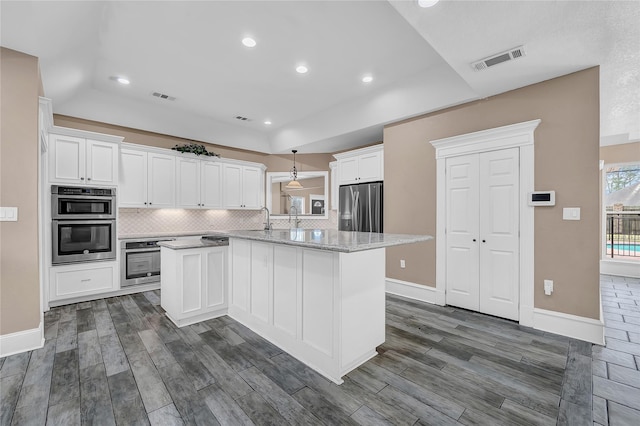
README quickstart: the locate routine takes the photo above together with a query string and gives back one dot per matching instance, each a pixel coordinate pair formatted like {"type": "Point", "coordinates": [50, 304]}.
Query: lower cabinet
{"type": "Point", "coordinates": [324, 308]}
{"type": "Point", "coordinates": [193, 283]}
{"type": "Point", "coordinates": [78, 280]}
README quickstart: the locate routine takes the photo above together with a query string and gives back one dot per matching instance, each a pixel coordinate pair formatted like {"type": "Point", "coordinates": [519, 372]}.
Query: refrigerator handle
{"type": "Point", "coordinates": [371, 210]}
{"type": "Point", "coordinates": [355, 213]}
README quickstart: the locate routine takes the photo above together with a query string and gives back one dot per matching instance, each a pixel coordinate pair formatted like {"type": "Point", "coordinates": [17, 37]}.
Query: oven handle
{"type": "Point", "coordinates": [84, 197]}
{"type": "Point", "coordinates": [129, 251]}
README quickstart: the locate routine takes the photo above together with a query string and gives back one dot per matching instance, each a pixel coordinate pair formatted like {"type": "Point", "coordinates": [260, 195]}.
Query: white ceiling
{"type": "Point", "coordinates": [419, 58]}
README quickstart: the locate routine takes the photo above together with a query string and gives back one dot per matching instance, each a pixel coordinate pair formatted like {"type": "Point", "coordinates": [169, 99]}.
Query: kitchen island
{"type": "Point", "coordinates": [318, 294]}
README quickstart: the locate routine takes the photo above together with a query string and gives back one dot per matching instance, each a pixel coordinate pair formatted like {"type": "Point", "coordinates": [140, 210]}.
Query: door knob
{"type": "Point", "coordinates": [474, 240]}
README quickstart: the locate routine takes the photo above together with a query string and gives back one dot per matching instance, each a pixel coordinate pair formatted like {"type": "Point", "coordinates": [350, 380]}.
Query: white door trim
{"type": "Point", "coordinates": [518, 135]}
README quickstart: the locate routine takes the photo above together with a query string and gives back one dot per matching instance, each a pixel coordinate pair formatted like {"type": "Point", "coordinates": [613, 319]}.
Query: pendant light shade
{"type": "Point", "coordinates": [294, 184]}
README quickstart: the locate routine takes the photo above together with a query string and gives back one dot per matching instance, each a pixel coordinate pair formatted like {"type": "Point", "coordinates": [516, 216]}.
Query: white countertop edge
{"type": "Point", "coordinates": [400, 239]}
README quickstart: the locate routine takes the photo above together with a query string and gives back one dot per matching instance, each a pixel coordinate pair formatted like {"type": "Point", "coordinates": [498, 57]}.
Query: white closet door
{"type": "Point", "coordinates": [499, 227]}
{"type": "Point", "coordinates": [462, 273]}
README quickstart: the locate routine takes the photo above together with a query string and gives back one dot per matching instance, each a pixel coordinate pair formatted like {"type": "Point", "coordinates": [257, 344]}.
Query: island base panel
{"type": "Point", "coordinates": [339, 301]}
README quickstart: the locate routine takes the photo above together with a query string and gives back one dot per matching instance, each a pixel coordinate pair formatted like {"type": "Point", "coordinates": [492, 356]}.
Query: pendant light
{"type": "Point", "coordinates": [294, 184]}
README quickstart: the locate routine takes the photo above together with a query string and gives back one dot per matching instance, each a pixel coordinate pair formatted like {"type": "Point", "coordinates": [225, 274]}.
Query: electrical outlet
{"type": "Point", "coordinates": [548, 287]}
{"type": "Point", "coordinates": [402, 264]}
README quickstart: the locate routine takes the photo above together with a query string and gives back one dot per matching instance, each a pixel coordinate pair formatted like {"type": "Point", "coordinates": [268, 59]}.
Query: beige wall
{"type": "Point", "coordinates": [274, 163]}
{"type": "Point", "coordinates": [624, 153]}
{"type": "Point", "coordinates": [19, 277]}
{"type": "Point", "coordinates": [566, 160]}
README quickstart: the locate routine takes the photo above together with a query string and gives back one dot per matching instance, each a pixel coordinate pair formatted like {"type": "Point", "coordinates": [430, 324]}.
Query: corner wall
{"type": "Point", "coordinates": [566, 160]}
{"type": "Point", "coordinates": [19, 276]}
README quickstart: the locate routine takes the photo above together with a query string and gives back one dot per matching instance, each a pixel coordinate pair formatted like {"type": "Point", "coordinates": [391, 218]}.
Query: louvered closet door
{"type": "Point", "coordinates": [482, 229]}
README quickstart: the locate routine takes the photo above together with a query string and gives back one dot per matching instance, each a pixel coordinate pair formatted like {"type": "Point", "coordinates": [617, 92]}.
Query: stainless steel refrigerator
{"type": "Point", "coordinates": [361, 207]}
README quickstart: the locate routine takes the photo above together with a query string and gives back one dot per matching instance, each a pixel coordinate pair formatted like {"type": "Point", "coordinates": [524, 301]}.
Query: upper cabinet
{"type": "Point", "coordinates": [160, 178]}
{"type": "Point", "coordinates": [334, 184]}
{"type": "Point", "coordinates": [147, 179]}
{"type": "Point", "coordinates": [243, 186]}
{"type": "Point", "coordinates": [199, 184]}
{"type": "Point", "coordinates": [83, 158]}
{"type": "Point", "coordinates": [361, 165]}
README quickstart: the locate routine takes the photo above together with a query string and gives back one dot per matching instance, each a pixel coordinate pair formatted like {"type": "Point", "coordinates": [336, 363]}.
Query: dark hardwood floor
{"type": "Point", "coordinates": [121, 361]}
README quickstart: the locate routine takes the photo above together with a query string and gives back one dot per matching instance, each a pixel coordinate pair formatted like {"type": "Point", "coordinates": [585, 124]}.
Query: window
{"type": "Point", "coordinates": [621, 201]}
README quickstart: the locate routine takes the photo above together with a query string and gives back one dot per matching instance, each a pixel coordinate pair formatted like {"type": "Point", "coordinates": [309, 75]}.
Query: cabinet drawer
{"type": "Point", "coordinates": [71, 283]}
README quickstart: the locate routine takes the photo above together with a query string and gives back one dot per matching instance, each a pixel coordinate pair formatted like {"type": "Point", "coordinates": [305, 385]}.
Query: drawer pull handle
{"type": "Point", "coordinates": [85, 280]}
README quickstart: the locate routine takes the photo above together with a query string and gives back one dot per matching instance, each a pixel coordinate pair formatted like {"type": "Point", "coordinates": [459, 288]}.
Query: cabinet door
{"type": "Point", "coordinates": [335, 185]}
{"type": "Point", "coordinates": [102, 163]}
{"type": "Point", "coordinates": [232, 186]}
{"type": "Point", "coordinates": [348, 171]}
{"type": "Point", "coordinates": [370, 167]}
{"type": "Point", "coordinates": [67, 160]}
{"type": "Point", "coordinates": [215, 278]}
{"type": "Point", "coordinates": [161, 182]}
{"type": "Point", "coordinates": [132, 191]}
{"type": "Point", "coordinates": [240, 251]}
{"type": "Point", "coordinates": [188, 187]}
{"type": "Point", "coordinates": [211, 184]}
{"type": "Point", "coordinates": [252, 188]}
{"type": "Point", "coordinates": [261, 260]}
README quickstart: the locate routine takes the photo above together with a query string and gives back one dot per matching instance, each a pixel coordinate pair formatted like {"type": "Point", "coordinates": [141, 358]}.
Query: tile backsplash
{"type": "Point", "coordinates": [149, 221]}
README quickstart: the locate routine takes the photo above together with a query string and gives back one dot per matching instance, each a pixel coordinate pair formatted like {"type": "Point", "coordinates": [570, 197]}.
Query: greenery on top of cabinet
{"type": "Point", "coordinates": [194, 148]}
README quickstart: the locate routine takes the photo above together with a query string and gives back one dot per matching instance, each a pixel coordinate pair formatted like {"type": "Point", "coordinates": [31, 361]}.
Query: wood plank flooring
{"type": "Point", "coordinates": [121, 361]}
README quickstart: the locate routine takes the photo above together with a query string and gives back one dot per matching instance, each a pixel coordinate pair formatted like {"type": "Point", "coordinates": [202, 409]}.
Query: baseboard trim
{"type": "Point", "coordinates": [582, 328]}
{"type": "Point", "coordinates": [122, 292]}
{"type": "Point", "coordinates": [620, 268]}
{"type": "Point", "coordinates": [22, 341]}
{"type": "Point", "coordinates": [414, 291]}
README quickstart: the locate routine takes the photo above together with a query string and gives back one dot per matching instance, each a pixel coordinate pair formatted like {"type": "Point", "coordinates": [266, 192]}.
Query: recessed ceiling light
{"type": "Point", "coordinates": [302, 69]}
{"type": "Point", "coordinates": [367, 79]}
{"type": "Point", "coordinates": [122, 80]}
{"type": "Point", "coordinates": [427, 3]}
{"type": "Point", "coordinates": [249, 42]}
{"type": "Point", "coordinates": [268, 123]}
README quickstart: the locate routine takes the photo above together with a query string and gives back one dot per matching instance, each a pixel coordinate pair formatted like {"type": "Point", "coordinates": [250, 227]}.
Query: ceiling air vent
{"type": "Point", "coordinates": [241, 118]}
{"type": "Point", "coordinates": [509, 55]}
{"type": "Point", "coordinates": [163, 96]}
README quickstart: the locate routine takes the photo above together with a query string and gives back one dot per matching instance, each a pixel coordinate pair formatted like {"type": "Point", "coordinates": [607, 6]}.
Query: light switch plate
{"type": "Point", "coordinates": [8, 214]}
{"type": "Point", "coordinates": [571, 213]}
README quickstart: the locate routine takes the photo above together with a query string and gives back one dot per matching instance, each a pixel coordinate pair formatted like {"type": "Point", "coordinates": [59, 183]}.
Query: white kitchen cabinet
{"type": "Point", "coordinates": [199, 184]}
{"type": "Point", "coordinates": [147, 179]}
{"type": "Point", "coordinates": [82, 279]}
{"type": "Point", "coordinates": [79, 160]}
{"type": "Point", "coordinates": [194, 283]}
{"type": "Point", "coordinates": [361, 165]}
{"type": "Point", "coordinates": [322, 307]}
{"type": "Point", "coordinates": [335, 185]}
{"type": "Point", "coordinates": [242, 186]}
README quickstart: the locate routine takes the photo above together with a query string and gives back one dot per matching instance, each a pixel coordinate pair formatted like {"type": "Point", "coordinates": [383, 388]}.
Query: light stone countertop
{"type": "Point", "coordinates": [327, 239]}
{"type": "Point", "coordinates": [191, 243]}
{"type": "Point", "coordinates": [157, 235]}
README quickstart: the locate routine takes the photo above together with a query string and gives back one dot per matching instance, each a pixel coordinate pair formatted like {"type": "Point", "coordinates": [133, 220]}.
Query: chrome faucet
{"type": "Point", "coordinates": [267, 224]}
{"type": "Point", "coordinates": [297, 221]}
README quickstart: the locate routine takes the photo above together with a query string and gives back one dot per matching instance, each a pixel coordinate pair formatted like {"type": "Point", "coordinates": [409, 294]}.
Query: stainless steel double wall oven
{"type": "Point", "coordinates": [83, 224]}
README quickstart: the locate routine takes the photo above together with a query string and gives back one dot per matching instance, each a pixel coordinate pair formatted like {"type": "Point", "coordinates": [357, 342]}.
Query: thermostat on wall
{"type": "Point", "coordinates": [542, 198]}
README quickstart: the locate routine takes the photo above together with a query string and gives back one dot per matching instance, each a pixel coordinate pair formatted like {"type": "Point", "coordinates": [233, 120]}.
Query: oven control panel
{"type": "Point", "coordinates": [78, 190]}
